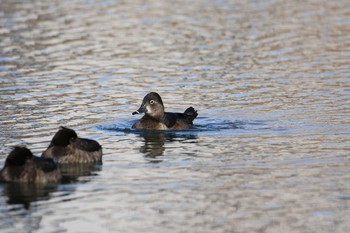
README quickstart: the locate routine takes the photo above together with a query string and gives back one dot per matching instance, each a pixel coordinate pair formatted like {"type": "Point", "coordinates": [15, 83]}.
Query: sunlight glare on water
{"type": "Point", "coordinates": [269, 151]}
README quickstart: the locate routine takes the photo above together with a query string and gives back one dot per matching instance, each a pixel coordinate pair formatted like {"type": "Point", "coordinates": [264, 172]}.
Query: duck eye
{"type": "Point", "coordinates": [151, 101]}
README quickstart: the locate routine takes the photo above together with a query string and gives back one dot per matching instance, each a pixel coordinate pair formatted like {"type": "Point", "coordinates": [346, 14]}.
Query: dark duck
{"type": "Point", "coordinates": [66, 147]}
{"type": "Point", "coordinates": [155, 118]}
{"type": "Point", "coordinates": [21, 166]}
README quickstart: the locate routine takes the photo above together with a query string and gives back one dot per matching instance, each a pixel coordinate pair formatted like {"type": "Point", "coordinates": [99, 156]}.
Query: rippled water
{"type": "Point", "coordinates": [271, 83]}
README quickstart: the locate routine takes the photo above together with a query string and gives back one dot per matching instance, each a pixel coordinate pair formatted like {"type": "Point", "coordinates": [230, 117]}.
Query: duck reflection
{"type": "Point", "coordinates": [25, 194]}
{"type": "Point", "coordinates": [72, 172]}
{"type": "Point", "coordinates": [155, 142]}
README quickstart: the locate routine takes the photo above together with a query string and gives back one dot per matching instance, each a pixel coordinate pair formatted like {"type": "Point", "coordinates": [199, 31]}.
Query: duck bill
{"type": "Point", "coordinates": [142, 109]}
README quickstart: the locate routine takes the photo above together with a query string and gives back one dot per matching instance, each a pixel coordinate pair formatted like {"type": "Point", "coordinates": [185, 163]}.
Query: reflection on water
{"type": "Point", "coordinates": [270, 80]}
{"type": "Point", "coordinates": [26, 193]}
{"type": "Point", "coordinates": [72, 172]}
{"type": "Point", "coordinates": [154, 145]}
{"type": "Point", "coordinates": [155, 142]}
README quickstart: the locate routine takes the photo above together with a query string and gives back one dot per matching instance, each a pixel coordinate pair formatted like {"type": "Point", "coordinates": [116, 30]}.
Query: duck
{"type": "Point", "coordinates": [21, 166]}
{"type": "Point", "coordinates": [155, 117]}
{"type": "Point", "coordinates": [67, 148]}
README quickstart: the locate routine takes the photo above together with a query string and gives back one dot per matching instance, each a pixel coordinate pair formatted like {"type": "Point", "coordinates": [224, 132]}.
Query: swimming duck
{"type": "Point", "coordinates": [67, 147]}
{"type": "Point", "coordinates": [23, 167]}
{"type": "Point", "coordinates": [156, 119]}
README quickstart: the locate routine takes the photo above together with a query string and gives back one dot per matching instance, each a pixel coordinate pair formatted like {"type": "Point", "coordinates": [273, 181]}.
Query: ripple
{"type": "Point", "coordinates": [269, 80]}
{"type": "Point", "coordinates": [202, 125]}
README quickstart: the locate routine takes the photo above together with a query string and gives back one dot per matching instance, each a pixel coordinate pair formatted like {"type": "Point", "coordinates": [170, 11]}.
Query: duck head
{"type": "Point", "coordinates": [64, 136]}
{"type": "Point", "coordinates": [152, 105]}
{"type": "Point", "coordinates": [18, 156]}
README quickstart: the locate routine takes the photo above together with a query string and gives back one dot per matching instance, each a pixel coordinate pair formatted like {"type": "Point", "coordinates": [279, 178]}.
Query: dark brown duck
{"type": "Point", "coordinates": [22, 166]}
{"type": "Point", "coordinates": [67, 147]}
{"type": "Point", "coordinates": [155, 118]}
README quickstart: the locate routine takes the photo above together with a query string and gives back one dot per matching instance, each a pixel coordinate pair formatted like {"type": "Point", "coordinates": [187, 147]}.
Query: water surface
{"type": "Point", "coordinates": [269, 151]}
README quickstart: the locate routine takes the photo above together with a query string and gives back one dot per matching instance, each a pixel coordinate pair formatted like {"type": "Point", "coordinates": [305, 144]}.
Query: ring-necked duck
{"type": "Point", "coordinates": [156, 119]}
{"type": "Point", "coordinates": [22, 166]}
{"type": "Point", "coordinates": [67, 147]}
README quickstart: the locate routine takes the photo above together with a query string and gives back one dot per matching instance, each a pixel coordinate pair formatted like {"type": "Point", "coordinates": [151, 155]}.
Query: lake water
{"type": "Point", "coordinates": [271, 83]}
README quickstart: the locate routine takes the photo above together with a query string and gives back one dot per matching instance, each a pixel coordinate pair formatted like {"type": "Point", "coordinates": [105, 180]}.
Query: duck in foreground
{"type": "Point", "coordinates": [156, 118]}
{"type": "Point", "coordinates": [22, 166]}
{"type": "Point", "coordinates": [66, 147]}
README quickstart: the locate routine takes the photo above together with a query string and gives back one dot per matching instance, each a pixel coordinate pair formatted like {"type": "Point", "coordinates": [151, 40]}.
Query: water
{"type": "Point", "coordinates": [271, 83]}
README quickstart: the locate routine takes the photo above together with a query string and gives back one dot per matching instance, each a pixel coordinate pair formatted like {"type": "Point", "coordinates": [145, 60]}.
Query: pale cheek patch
{"type": "Point", "coordinates": [149, 109]}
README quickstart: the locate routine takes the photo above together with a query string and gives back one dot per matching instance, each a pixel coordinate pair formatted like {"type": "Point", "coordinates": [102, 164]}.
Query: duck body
{"type": "Point", "coordinates": [155, 118]}
{"type": "Point", "coordinates": [66, 147]}
{"type": "Point", "coordinates": [21, 166]}
{"type": "Point", "coordinates": [170, 121]}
